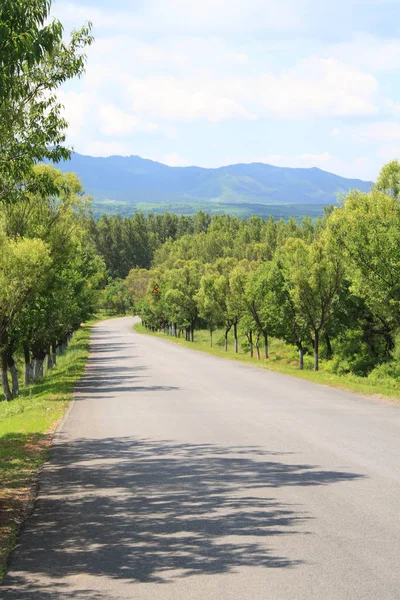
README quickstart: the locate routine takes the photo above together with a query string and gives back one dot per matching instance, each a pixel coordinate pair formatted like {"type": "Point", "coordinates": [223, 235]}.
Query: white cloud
{"type": "Point", "coordinates": [368, 52]}
{"type": "Point", "coordinates": [320, 87]}
{"type": "Point", "coordinates": [128, 54]}
{"type": "Point", "coordinates": [381, 132]}
{"type": "Point", "coordinates": [187, 100]}
{"type": "Point", "coordinates": [190, 16]}
{"type": "Point", "coordinates": [76, 106]}
{"type": "Point", "coordinates": [106, 148]}
{"type": "Point", "coordinates": [393, 107]}
{"type": "Point", "coordinates": [315, 87]}
{"type": "Point", "coordinates": [115, 122]}
{"type": "Point", "coordinates": [174, 160]}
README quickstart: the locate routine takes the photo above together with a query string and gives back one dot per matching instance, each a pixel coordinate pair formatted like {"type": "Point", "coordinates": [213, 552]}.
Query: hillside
{"type": "Point", "coordinates": [129, 181]}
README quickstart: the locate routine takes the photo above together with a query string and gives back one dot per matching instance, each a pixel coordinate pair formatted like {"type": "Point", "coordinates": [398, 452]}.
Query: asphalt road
{"type": "Point", "coordinates": [179, 476]}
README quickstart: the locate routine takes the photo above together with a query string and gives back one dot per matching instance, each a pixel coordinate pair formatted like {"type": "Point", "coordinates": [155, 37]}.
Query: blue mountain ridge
{"type": "Point", "coordinates": [135, 180]}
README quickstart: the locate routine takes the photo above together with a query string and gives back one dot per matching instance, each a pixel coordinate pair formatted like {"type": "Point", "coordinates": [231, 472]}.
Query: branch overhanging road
{"type": "Point", "coordinates": [180, 476]}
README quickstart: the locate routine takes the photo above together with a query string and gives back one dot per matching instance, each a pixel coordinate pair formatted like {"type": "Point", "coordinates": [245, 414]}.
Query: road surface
{"type": "Point", "coordinates": [180, 476]}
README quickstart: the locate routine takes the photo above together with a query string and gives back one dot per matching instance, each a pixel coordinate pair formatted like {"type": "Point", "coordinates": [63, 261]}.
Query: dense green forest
{"type": "Point", "coordinates": [328, 287]}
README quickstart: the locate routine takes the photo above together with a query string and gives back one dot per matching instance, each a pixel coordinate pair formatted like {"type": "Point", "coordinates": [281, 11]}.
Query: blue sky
{"type": "Point", "coordinates": [213, 82]}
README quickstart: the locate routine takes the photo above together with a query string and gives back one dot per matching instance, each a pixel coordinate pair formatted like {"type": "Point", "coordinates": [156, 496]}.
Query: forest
{"type": "Point", "coordinates": [327, 287]}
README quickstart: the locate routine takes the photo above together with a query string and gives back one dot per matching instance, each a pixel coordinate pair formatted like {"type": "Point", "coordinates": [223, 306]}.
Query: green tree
{"type": "Point", "coordinates": [388, 180]}
{"type": "Point", "coordinates": [22, 268]}
{"type": "Point", "coordinates": [315, 274]}
{"type": "Point", "coordinates": [116, 298]}
{"type": "Point", "coordinates": [182, 284]}
{"type": "Point", "coordinates": [34, 62]}
{"type": "Point", "coordinates": [367, 228]}
{"type": "Point", "coordinates": [207, 301]}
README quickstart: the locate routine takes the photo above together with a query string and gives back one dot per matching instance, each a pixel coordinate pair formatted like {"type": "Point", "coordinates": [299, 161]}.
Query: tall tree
{"type": "Point", "coordinates": [22, 268]}
{"type": "Point", "coordinates": [34, 62]}
{"type": "Point", "coordinates": [315, 273]}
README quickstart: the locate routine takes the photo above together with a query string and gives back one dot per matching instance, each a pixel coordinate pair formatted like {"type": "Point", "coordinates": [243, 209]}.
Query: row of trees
{"type": "Point", "coordinates": [332, 285]}
{"type": "Point", "coordinates": [49, 268]}
{"type": "Point", "coordinates": [50, 274]}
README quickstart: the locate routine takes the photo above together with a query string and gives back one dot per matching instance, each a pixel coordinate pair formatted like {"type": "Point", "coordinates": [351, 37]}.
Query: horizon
{"type": "Point", "coordinates": [290, 83]}
{"type": "Point", "coordinates": [220, 166]}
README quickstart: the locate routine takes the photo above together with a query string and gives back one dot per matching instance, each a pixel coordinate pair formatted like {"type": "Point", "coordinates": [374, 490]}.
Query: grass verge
{"type": "Point", "coordinates": [283, 359]}
{"type": "Point", "coordinates": [27, 425]}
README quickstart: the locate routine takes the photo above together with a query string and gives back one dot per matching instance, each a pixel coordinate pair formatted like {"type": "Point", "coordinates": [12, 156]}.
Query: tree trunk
{"type": "Point", "coordinates": [226, 339]}
{"type": "Point", "coordinates": [258, 346]}
{"type": "Point", "coordinates": [301, 358]}
{"type": "Point", "coordinates": [14, 379]}
{"type": "Point", "coordinates": [27, 365]}
{"type": "Point", "coordinates": [27, 374]}
{"type": "Point", "coordinates": [211, 340]}
{"type": "Point", "coordinates": [49, 363]}
{"type": "Point", "coordinates": [38, 368]}
{"type": "Point", "coordinates": [192, 333]}
{"type": "Point", "coordinates": [266, 349]}
{"type": "Point", "coordinates": [236, 337]}
{"type": "Point", "coordinates": [54, 352]}
{"type": "Point", "coordinates": [329, 351]}
{"type": "Point", "coordinates": [251, 344]}
{"type": "Point", "coordinates": [316, 351]}
{"type": "Point", "coordinates": [4, 377]}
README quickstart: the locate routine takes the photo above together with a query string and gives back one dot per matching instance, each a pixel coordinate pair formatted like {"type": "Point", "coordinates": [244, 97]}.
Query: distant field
{"type": "Point", "coordinates": [278, 211]}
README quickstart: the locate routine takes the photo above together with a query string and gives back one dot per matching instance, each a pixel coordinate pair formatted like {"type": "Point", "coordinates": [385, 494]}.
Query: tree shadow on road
{"type": "Point", "coordinates": [142, 510]}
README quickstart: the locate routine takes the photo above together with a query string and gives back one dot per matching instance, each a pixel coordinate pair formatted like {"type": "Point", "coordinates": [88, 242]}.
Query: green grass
{"type": "Point", "coordinates": [26, 427]}
{"type": "Point", "coordinates": [283, 359]}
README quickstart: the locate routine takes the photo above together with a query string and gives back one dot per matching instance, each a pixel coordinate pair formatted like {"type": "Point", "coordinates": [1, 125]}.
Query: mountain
{"type": "Point", "coordinates": [133, 180]}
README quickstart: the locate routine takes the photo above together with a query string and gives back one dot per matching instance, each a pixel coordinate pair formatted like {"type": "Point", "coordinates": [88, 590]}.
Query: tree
{"type": "Point", "coordinates": [68, 287]}
{"type": "Point", "coordinates": [209, 308]}
{"type": "Point", "coordinates": [236, 299]}
{"type": "Point", "coordinates": [137, 284]}
{"type": "Point", "coordinates": [315, 273]}
{"type": "Point", "coordinates": [34, 62]}
{"type": "Point", "coordinates": [219, 294]}
{"type": "Point", "coordinates": [22, 269]}
{"type": "Point", "coordinates": [275, 306]}
{"type": "Point", "coordinates": [116, 298]}
{"type": "Point", "coordinates": [388, 180]}
{"type": "Point", "coordinates": [181, 285]}
{"type": "Point", "coordinates": [367, 228]}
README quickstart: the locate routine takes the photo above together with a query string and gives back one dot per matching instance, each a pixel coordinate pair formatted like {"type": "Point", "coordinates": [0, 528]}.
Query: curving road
{"type": "Point", "coordinates": [179, 476]}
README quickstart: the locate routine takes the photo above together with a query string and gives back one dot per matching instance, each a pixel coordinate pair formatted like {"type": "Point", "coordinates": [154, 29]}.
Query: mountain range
{"type": "Point", "coordinates": [131, 181]}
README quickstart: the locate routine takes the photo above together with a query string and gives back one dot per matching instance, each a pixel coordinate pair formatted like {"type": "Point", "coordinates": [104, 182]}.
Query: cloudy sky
{"type": "Point", "coordinates": [214, 82]}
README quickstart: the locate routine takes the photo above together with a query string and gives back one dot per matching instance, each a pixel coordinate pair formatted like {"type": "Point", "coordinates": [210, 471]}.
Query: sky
{"type": "Point", "coordinates": [297, 83]}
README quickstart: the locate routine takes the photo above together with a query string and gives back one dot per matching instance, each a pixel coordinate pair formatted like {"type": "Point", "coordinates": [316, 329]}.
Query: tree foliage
{"type": "Point", "coordinates": [330, 287]}
{"type": "Point", "coordinates": [34, 62]}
